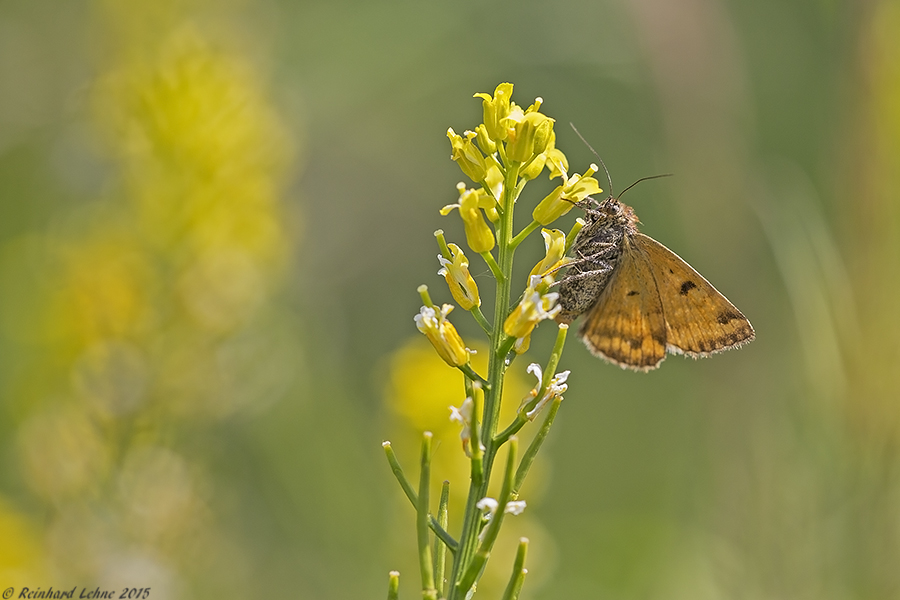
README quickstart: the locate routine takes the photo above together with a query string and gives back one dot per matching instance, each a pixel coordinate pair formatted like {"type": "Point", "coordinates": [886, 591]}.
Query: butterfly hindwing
{"type": "Point", "coordinates": [699, 320]}
{"type": "Point", "coordinates": [626, 326]}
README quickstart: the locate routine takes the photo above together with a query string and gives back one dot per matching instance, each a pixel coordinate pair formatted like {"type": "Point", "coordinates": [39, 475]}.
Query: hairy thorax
{"type": "Point", "coordinates": [595, 252]}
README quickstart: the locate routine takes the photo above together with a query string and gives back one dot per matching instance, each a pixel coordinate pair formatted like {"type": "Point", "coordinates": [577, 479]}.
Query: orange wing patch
{"type": "Point", "coordinates": [626, 326]}
{"type": "Point", "coordinates": [699, 320]}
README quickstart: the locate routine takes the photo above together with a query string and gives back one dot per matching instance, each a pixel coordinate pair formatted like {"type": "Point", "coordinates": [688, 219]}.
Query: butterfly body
{"type": "Point", "coordinates": [640, 299]}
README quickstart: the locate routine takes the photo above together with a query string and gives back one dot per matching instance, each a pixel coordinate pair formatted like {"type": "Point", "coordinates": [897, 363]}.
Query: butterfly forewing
{"type": "Point", "coordinates": [699, 320]}
{"type": "Point", "coordinates": [626, 326]}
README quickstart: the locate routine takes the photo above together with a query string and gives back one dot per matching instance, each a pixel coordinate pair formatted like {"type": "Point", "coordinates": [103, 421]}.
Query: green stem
{"type": "Point", "coordinates": [518, 573]}
{"type": "Point", "coordinates": [492, 530]}
{"type": "Point", "coordinates": [440, 551]}
{"type": "Point", "coordinates": [471, 374]}
{"type": "Point", "coordinates": [479, 318]}
{"type": "Point", "coordinates": [439, 530]}
{"type": "Point", "coordinates": [394, 585]}
{"type": "Point", "coordinates": [475, 428]}
{"type": "Point", "coordinates": [495, 268]}
{"type": "Point", "coordinates": [548, 374]}
{"type": "Point", "coordinates": [524, 234]}
{"type": "Point", "coordinates": [399, 474]}
{"type": "Point", "coordinates": [425, 564]}
{"type": "Point", "coordinates": [534, 447]}
{"type": "Point", "coordinates": [496, 369]}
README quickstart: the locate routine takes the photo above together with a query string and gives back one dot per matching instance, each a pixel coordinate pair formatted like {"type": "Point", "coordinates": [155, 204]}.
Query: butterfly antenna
{"type": "Point", "coordinates": [644, 179]}
{"type": "Point", "coordinates": [608, 178]}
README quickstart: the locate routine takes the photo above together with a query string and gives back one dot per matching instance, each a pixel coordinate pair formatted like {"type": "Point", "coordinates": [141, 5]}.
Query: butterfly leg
{"type": "Point", "coordinates": [604, 268]}
{"type": "Point", "coordinates": [596, 257]}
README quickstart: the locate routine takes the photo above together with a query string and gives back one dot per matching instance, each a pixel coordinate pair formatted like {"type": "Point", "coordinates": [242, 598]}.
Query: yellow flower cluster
{"type": "Point", "coordinates": [517, 143]}
{"type": "Point", "coordinates": [158, 304]}
{"type": "Point", "coordinates": [511, 147]}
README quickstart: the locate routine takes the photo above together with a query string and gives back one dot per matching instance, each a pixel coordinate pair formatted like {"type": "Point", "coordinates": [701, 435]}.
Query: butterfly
{"type": "Point", "coordinates": [640, 298]}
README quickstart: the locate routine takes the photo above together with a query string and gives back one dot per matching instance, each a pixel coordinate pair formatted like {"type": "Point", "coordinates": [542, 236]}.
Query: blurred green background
{"type": "Point", "coordinates": [213, 219]}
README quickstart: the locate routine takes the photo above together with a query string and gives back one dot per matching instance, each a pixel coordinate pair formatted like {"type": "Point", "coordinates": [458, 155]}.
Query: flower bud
{"type": "Point", "coordinates": [442, 335]}
{"type": "Point", "coordinates": [459, 280]}
{"type": "Point", "coordinates": [561, 200]}
{"type": "Point", "coordinates": [484, 141]}
{"type": "Point", "coordinates": [467, 155]}
{"type": "Point", "coordinates": [531, 137]}
{"type": "Point", "coordinates": [478, 234]}
{"type": "Point", "coordinates": [536, 305]}
{"type": "Point", "coordinates": [496, 110]}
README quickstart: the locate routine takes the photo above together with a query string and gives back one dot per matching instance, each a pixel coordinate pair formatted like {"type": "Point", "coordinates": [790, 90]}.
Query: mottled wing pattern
{"type": "Point", "coordinates": [699, 320]}
{"type": "Point", "coordinates": [626, 326]}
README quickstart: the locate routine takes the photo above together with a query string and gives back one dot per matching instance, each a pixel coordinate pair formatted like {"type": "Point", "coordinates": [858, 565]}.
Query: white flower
{"type": "Point", "coordinates": [515, 507]}
{"type": "Point", "coordinates": [463, 416]}
{"type": "Point", "coordinates": [488, 505]}
{"type": "Point", "coordinates": [556, 387]}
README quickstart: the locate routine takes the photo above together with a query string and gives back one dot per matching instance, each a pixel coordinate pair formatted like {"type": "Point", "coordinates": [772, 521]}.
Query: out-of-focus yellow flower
{"type": "Point", "coordinates": [467, 155]}
{"type": "Point", "coordinates": [160, 296]}
{"type": "Point", "coordinates": [536, 305]}
{"type": "Point", "coordinates": [496, 111]}
{"type": "Point", "coordinates": [157, 493]}
{"type": "Point", "coordinates": [574, 189]}
{"type": "Point", "coordinates": [421, 390]}
{"type": "Point", "coordinates": [459, 280]}
{"type": "Point", "coordinates": [442, 334]}
{"type": "Point", "coordinates": [64, 452]}
{"type": "Point", "coordinates": [204, 153]}
{"type": "Point", "coordinates": [105, 288]}
{"type": "Point", "coordinates": [112, 377]}
{"type": "Point", "coordinates": [555, 245]}
{"type": "Point", "coordinates": [478, 234]}
{"type": "Point", "coordinates": [20, 554]}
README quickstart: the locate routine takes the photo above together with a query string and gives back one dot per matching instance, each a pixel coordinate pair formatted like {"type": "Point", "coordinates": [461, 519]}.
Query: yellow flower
{"type": "Point", "coordinates": [478, 235]}
{"type": "Point", "coordinates": [20, 553]}
{"type": "Point", "coordinates": [64, 452]}
{"type": "Point", "coordinates": [459, 280]}
{"type": "Point", "coordinates": [467, 155]}
{"type": "Point", "coordinates": [442, 334]}
{"type": "Point", "coordinates": [494, 182]}
{"type": "Point", "coordinates": [484, 141]}
{"type": "Point", "coordinates": [496, 111]}
{"type": "Point", "coordinates": [558, 162]}
{"type": "Point", "coordinates": [522, 344]}
{"type": "Point", "coordinates": [555, 244]}
{"type": "Point", "coordinates": [561, 200]}
{"type": "Point", "coordinates": [536, 305]}
{"type": "Point", "coordinates": [420, 391]}
{"type": "Point", "coordinates": [530, 137]}
{"type": "Point", "coordinates": [552, 158]}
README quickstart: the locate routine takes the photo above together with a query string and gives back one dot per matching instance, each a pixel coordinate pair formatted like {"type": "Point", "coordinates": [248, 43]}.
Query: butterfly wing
{"type": "Point", "coordinates": [626, 326]}
{"type": "Point", "coordinates": [699, 320]}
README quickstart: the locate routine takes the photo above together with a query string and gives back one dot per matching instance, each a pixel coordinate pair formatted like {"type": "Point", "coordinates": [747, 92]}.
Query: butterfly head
{"type": "Point", "coordinates": [609, 213]}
